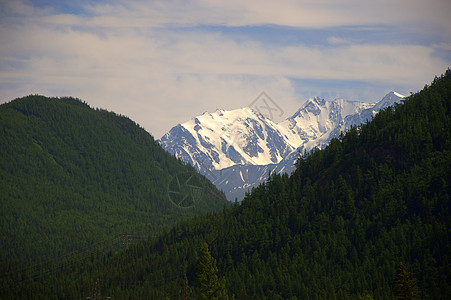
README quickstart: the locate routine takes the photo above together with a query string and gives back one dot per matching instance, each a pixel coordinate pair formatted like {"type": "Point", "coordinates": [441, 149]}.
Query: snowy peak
{"type": "Point", "coordinates": [389, 100]}
{"type": "Point", "coordinates": [222, 117]}
{"type": "Point", "coordinates": [226, 138]}
{"type": "Point", "coordinates": [396, 94]}
{"type": "Point", "coordinates": [318, 106]}
{"type": "Point", "coordinates": [226, 143]}
{"type": "Point", "coordinates": [318, 120]}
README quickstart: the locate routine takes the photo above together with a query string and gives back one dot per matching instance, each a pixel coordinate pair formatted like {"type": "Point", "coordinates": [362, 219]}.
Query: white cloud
{"type": "Point", "coordinates": [336, 40]}
{"type": "Point", "coordinates": [442, 46]}
{"type": "Point", "coordinates": [293, 13]}
{"type": "Point", "coordinates": [128, 59]}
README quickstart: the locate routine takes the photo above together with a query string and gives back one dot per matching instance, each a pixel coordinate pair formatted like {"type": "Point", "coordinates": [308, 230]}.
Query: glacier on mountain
{"type": "Point", "coordinates": [237, 149]}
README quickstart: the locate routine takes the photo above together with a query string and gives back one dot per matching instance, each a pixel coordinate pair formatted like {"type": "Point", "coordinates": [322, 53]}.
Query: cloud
{"type": "Point", "coordinates": [442, 46]}
{"type": "Point", "coordinates": [292, 13]}
{"type": "Point", "coordinates": [336, 40]}
{"type": "Point", "coordinates": [154, 63]}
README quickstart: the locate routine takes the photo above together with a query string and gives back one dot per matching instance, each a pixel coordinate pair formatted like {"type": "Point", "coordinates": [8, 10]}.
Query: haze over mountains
{"type": "Point", "coordinates": [237, 149]}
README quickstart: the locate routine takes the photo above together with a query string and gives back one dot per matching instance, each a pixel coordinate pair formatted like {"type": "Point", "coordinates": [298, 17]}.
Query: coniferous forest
{"type": "Point", "coordinates": [368, 217]}
{"type": "Point", "coordinates": [72, 177]}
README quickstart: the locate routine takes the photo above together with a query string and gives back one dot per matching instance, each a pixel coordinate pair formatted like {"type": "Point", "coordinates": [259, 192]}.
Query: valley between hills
{"type": "Point", "coordinates": [92, 206]}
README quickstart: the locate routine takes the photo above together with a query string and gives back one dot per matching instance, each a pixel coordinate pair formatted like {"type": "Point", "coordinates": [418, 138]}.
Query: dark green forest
{"type": "Point", "coordinates": [72, 177]}
{"type": "Point", "coordinates": [368, 217]}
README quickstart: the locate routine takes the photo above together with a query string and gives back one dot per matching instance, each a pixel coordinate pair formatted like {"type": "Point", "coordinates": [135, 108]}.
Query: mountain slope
{"type": "Point", "coordinates": [72, 176]}
{"type": "Point", "coordinates": [338, 227]}
{"type": "Point", "coordinates": [226, 138]}
{"type": "Point", "coordinates": [318, 120]}
{"type": "Point", "coordinates": [237, 149]}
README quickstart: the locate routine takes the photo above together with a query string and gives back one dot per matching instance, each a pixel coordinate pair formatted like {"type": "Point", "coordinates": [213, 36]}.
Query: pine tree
{"type": "Point", "coordinates": [210, 287]}
{"type": "Point", "coordinates": [406, 287]}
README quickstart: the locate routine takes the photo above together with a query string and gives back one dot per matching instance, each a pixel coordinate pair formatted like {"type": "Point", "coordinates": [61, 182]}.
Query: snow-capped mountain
{"type": "Point", "coordinates": [318, 120]}
{"type": "Point", "coordinates": [237, 149]}
{"type": "Point", "coordinates": [227, 138]}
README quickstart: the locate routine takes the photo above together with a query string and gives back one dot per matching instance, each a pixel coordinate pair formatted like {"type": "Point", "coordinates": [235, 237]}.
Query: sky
{"type": "Point", "coordinates": [163, 62]}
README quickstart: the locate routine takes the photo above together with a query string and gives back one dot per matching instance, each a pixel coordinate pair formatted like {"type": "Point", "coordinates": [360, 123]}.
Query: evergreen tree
{"type": "Point", "coordinates": [406, 286]}
{"type": "Point", "coordinates": [210, 287]}
{"type": "Point", "coordinates": [72, 176]}
{"type": "Point", "coordinates": [331, 230]}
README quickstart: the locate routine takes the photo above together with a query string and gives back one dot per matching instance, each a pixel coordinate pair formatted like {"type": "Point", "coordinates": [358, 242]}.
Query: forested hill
{"type": "Point", "coordinates": [367, 217]}
{"type": "Point", "coordinates": [72, 176]}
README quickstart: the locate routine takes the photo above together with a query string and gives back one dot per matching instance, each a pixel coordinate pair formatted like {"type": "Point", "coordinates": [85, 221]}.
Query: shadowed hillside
{"type": "Point", "coordinates": [367, 217]}
{"type": "Point", "coordinates": [72, 176]}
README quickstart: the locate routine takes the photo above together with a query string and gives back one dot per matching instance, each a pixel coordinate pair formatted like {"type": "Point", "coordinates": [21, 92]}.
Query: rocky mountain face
{"type": "Point", "coordinates": [238, 149]}
{"type": "Point", "coordinates": [223, 139]}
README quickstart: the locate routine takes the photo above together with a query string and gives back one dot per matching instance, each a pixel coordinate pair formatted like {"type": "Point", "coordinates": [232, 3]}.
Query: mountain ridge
{"type": "Point", "coordinates": [249, 143]}
{"type": "Point", "coordinates": [367, 217]}
{"type": "Point", "coordinates": [64, 165]}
